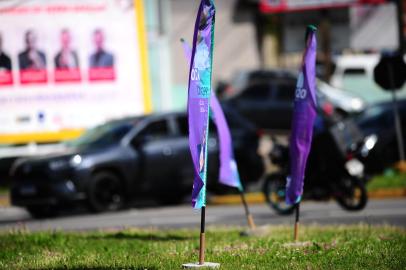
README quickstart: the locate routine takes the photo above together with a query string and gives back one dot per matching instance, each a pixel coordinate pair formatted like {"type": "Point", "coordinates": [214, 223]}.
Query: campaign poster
{"type": "Point", "coordinates": [67, 65]}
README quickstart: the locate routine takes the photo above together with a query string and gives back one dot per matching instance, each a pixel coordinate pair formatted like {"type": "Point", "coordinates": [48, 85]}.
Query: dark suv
{"type": "Point", "coordinates": [126, 160]}
{"type": "Point", "coordinates": [265, 97]}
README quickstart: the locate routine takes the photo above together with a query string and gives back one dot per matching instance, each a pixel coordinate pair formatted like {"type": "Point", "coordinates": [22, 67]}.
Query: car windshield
{"type": "Point", "coordinates": [102, 135]}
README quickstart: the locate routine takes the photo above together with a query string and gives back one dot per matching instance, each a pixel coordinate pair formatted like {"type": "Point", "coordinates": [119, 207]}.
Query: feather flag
{"type": "Point", "coordinates": [304, 114]}
{"type": "Point", "coordinates": [228, 167]}
{"type": "Point", "coordinates": [199, 93]}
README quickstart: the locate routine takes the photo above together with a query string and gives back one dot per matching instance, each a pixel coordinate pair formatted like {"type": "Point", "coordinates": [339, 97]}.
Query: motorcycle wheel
{"type": "Point", "coordinates": [274, 191]}
{"type": "Point", "coordinates": [353, 196]}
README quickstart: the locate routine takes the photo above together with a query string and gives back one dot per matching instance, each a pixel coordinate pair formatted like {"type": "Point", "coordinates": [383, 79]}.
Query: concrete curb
{"type": "Point", "coordinates": [4, 201]}
{"type": "Point", "coordinates": [387, 193]}
{"type": "Point", "coordinates": [258, 197]}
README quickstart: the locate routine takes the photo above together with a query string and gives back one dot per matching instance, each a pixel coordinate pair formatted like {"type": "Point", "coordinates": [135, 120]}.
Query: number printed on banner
{"type": "Point", "coordinates": [194, 76]}
{"type": "Point", "coordinates": [203, 91]}
{"type": "Point", "coordinates": [301, 93]}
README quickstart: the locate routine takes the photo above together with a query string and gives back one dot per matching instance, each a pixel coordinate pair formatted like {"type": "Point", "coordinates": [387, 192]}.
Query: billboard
{"type": "Point", "coordinates": [66, 65]}
{"type": "Point", "coordinates": [278, 6]}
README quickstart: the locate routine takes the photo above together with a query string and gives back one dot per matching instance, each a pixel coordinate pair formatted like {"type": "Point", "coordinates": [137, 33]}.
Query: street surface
{"type": "Point", "coordinates": [389, 211]}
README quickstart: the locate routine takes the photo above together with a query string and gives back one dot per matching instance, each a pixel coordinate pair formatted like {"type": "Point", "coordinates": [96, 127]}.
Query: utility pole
{"type": "Point", "coordinates": [399, 11]}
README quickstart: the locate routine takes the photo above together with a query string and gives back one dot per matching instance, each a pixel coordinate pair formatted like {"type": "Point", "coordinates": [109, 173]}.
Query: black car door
{"type": "Point", "coordinates": [156, 148]}
{"type": "Point", "coordinates": [184, 156]}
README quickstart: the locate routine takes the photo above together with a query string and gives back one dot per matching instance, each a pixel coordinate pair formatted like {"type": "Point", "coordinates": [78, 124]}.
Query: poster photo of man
{"type": "Point", "coordinates": [66, 60]}
{"type": "Point", "coordinates": [101, 62]}
{"type": "Point", "coordinates": [5, 61]}
{"type": "Point", "coordinates": [32, 61]}
{"type": "Point", "coordinates": [31, 57]}
{"type": "Point", "coordinates": [6, 77]}
{"type": "Point", "coordinates": [100, 58]}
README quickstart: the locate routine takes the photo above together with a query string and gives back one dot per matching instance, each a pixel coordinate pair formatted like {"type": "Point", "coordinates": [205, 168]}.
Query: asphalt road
{"type": "Point", "coordinates": [392, 212]}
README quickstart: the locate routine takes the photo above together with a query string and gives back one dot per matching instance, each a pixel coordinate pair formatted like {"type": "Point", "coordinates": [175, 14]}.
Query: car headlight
{"type": "Point", "coordinates": [369, 143]}
{"type": "Point", "coordinates": [357, 104]}
{"type": "Point", "coordinates": [75, 160]}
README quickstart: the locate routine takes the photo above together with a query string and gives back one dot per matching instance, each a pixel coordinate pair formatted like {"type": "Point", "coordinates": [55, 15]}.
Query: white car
{"type": "Point", "coordinates": [345, 101]}
{"type": "Point", "coordinates": [355, 74]}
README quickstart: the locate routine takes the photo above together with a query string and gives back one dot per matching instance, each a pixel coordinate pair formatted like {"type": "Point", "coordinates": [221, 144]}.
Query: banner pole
{"type": "Point", "coordinates": [202, 248]}
{"type": "Point", "coordinates": [250, 219]}
{"type": "Point", "coordinates": [202, 236]}
{"type": "Point", "coordinates": [296, 230]}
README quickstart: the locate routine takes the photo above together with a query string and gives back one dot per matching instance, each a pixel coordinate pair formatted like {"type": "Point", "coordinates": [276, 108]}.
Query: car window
{"type": "Point", "coordinates": [286, 92]}
{"type": "Point", "coordinates": [354, 71]}
{"type": "Point", "coordinates": [256, 92]}
{"type": "Point", "coordinates": [155, 130]}
{"type": "Point", "coordinates": [183, 126]}
{"type": "Point", "coordinates": [105, 134]}
{"type": "Point", "coordinates": [212, 128]}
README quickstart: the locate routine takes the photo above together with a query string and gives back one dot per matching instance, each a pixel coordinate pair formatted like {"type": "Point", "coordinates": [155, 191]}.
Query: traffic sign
{"type": "Point", "coordinates": [390, 72]}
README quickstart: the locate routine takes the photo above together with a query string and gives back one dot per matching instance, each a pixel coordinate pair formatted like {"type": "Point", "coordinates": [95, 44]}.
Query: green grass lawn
{"type": "Point", "coordinates": [339, 247]}
{"type": "Point", "coordinates": [390, 179]}
{"type": "Point", "coordinates": [4, 191]}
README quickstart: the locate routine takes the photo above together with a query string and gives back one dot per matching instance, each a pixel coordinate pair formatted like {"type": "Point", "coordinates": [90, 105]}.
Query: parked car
{"type": "Point", "coordinates": [125, 160]}
{"type": "Point", "coordinates": [266, 98]}
{"type": "Point", "coordinates": [379, 119]}
{"type": "Point", "coordinates": [355, 74]}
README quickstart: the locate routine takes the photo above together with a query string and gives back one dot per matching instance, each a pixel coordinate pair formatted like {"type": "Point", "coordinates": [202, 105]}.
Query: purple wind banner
{"type": "Point", "coordinates": [304, 114]}
{"type": "Point", "coordinates": [229, 175]}
{"type": "Point", "coordinates": [199, 93]}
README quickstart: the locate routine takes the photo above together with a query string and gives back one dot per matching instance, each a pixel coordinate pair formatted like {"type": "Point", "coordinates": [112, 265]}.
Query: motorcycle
{"type": "Point", "coordinates": [334, 168]}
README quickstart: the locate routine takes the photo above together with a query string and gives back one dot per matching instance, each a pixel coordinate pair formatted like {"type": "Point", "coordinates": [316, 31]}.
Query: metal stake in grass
{"type": "Point", "coordinates": [202, 247]}
{"type": "Point", "coordinates": [250, 219]}
{"type": "Point", "coordinates": [296, 229]}
{"type": "Point", "coordinates": [202, 236]}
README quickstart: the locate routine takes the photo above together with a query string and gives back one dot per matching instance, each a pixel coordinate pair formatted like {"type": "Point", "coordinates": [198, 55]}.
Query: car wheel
{"type": "Point", "coordinates": [42, 211]}
{"type": "Point", "coordinates": [105, 192]}
{"type": "Point", "coordinates": [274, 191]}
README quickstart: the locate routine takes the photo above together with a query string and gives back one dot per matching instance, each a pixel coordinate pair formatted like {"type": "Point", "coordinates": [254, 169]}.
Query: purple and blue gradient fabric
{"type": "Point", "coordinates": [304, 115]}
{"type": "Point", "coordinates": [228, 166]}
{"type": "Point", "coordinates": [199, 93]}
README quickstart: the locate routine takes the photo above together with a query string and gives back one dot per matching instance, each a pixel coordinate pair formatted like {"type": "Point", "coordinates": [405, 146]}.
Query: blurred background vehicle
{"type": "Point", "coordinates": [126, 160]}
{"type": "Point", "coordinates": [334, 168]}
{"type": "Point", "coordinates": [354, 73]}
{"type": "Point", "coordinates": [265, 97]}
{"type": "Point", "coordinates": [378, 119]}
